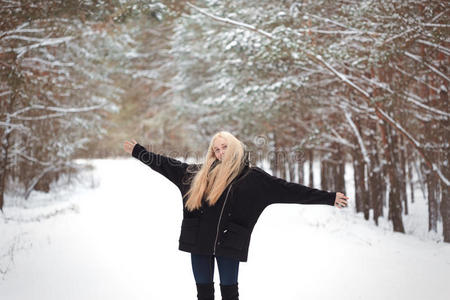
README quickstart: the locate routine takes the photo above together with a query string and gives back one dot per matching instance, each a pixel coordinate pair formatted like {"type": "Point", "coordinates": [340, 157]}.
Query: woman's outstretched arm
{"type": "Point", "coordinates": [273, 189]}
{"type": "Point", "coordinates": [171, 168]}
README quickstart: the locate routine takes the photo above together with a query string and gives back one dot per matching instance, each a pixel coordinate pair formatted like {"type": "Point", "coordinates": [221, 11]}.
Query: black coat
{"type": "Point", "coordinates": [225, 228]}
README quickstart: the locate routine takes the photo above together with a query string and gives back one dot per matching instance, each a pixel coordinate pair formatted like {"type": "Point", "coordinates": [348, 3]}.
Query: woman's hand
{"type": "Point", "coordinates": [340, 200]}
{"type": "Point", "coordinates": [128, 146]}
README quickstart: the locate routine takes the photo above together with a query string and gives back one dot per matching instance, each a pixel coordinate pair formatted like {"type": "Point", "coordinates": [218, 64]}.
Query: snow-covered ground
{"type": "Point", "coordinates": [117, 238]}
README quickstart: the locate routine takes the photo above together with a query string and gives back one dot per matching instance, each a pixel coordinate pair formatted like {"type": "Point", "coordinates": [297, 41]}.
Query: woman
{"type": "Point", "coordinates": [222, 200]}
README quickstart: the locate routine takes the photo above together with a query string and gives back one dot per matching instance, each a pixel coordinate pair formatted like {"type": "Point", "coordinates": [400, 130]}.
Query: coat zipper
{"type": "Point", "coordinates": [220, 217]}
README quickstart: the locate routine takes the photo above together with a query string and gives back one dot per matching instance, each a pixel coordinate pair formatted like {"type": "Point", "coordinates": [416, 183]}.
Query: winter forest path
{"type": "Point", "coordinates": [119, 240]}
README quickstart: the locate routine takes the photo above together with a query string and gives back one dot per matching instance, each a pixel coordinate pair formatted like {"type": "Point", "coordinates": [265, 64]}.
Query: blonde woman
{"type": "Point", "coordinates": [222, 200]}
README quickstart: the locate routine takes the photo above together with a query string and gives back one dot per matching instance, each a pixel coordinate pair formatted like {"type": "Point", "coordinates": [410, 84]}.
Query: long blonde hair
{"type": "Point", "coordinates": [214, 175]}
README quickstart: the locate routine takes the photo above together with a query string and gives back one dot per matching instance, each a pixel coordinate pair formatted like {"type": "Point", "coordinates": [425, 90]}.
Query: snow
{"type": "Point", "coordinates": [231, 22]}
{"type": "Point", "coordinates": [114, 235]}
{"type": "Point", "coordinates": [419, 59]}
{"type": "Point", "coordinates": [42, 42]}
{"type": "Point", "coordinates": [348, 116]}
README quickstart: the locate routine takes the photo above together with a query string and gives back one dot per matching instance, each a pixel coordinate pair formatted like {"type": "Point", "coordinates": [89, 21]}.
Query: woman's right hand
{"type": "Point", "coordinates": [129, 145]}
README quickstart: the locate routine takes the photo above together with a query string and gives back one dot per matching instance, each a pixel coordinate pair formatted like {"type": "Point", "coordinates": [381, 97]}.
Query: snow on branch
{"type": "Point", "coordinates": [231, 22]}
{"type": "Point", "coordinates": [414, 99]}
{"type": "Point", "coordinates": [435, 25]}
{"type": "Point", "coordinates": [338, 139]}
{"type": "Point", "coordinates": [57, 109]}
{"type": "Point", "coordinates": [332, 32]}
{"type": "Point", "coordinates": [35, 160]}
{"type": "Point", "coordinates": [43, 42]}
{"type": "Point", "coordinates": [420, 60]}
{"type": "Point", "coordinates": [19, 127]}
{"type": "Point", "coordinates": [371, 33]}
{"type": "Point", "coordinates": [49, 63]}
{"type": "Point", "coordinates": [10, 125]}
{"type": "Point", "coordinates": [343, 77]}
{"type": "Point", "coordinates": [365, 95]}
{"type": "Point", "coordinates": [5, 93]}
{"type": "Point", "coordinates": [441, 48]}
{"type": "Point", "coordinates": [43, 117]}
{"type": "Point", "coordinates": [359, 138]}
{"type": "Point", "coordinates": [52, 168]}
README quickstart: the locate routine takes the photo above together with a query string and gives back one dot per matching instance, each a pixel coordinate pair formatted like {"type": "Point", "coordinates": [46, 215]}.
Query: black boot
{"type": "Point", "coordinates": [229, 292]}
{"type": "Point", "coordinates": [205, 291]}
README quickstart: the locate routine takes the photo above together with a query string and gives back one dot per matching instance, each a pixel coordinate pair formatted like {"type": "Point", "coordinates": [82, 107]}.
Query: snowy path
{"type": "Point", "coordinates": [105, 248]}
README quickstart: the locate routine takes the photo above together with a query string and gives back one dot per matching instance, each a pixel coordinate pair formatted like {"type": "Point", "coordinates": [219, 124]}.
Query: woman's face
{"type": "Point", "coordinates": [219, 147]}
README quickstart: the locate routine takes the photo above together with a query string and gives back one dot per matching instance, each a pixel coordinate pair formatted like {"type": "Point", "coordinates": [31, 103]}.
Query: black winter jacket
{"type": "Point", "coordinates": [225, 228]}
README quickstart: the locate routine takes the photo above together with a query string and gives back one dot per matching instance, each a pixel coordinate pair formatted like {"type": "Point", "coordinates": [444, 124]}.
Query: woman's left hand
{"type": "Point", "coordinates": [341, 200]}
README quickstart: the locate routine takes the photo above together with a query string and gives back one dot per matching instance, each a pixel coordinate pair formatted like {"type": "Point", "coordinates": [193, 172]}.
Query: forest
{"type": "Point", "coordinates": [341, 82]}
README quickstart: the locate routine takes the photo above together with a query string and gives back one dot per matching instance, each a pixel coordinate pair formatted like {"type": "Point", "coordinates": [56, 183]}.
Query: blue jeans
{"type": "Point", "coordinates": [203, 268]}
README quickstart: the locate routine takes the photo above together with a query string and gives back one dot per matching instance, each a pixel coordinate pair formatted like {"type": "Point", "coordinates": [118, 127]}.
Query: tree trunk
{"type": "Point", "coordinates": [311, 174]}
{"type": "Point", "coordinates": [358, 167]}
{"type": "Point", "coordinates": [339, 174]}
{"type": "Point", "coordinates": [376, 187]}
{"type": "Point", "coordinates": [281, 157]}
{"type": "Point", "coordinates": [291, 166]}
{"type": "Point", "coordinates": [402, 170]}
{"type": "Point", "coordinates": [432, 182]}
{"type": "Point", "coordinates": [300, 172]}
{"type": "Point", "coordinates": [395, 204]}
{"type": "Point", "coordinates": [445, 189]}
{"type": "Point", "coordinates": [5, 144]}
{"type": "Point", "coordinates": [410, 179]}
{"type": "Point", "coordinates": [273, 157]}
{"type": "Point", "coordinates": [325, 166]}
